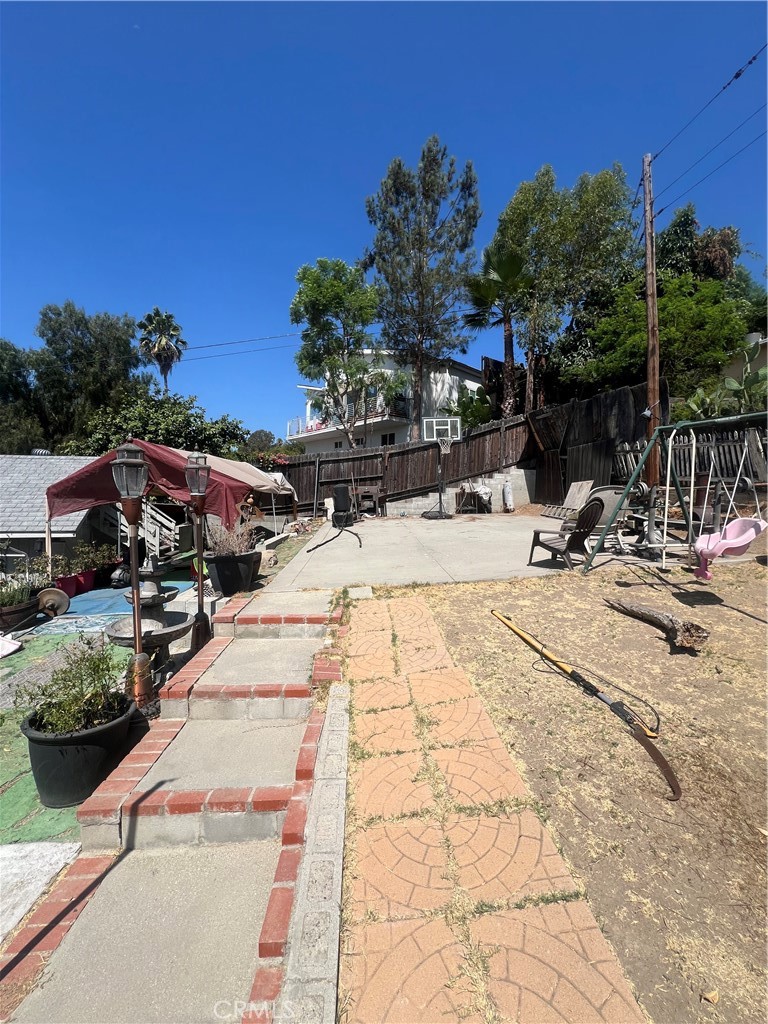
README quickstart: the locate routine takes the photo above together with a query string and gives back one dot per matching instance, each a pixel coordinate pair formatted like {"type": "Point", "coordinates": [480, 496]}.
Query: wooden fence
{"type": "Point", "coordinates": [405, 470]}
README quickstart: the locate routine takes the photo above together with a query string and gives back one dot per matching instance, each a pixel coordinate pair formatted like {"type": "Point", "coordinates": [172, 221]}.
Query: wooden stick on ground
{"type": "Point", "coordinates": [680, 633]}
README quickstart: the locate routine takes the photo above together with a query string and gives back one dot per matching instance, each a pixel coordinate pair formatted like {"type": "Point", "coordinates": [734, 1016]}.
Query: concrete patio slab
{"type": "Point", "coordinates": [212, 754]}
{"type": "Point", "coordinates": [170, 937]}
{"type": "Point", "coordinates": [415, 550]}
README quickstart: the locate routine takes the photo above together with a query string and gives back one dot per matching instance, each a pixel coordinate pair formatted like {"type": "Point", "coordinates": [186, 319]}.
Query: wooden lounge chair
{"type": "Point", "coordinates": [564, 543]}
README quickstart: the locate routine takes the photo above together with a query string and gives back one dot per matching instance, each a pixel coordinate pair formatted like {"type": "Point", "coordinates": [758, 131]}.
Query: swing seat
{"type": "Point", "coordinates": [735, 539]}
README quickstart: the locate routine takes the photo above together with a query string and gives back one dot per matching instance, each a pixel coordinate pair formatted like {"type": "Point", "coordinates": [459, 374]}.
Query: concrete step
{"type": "Point", "coordinates": [169, 937]}
{"type": "Point", "coordinates": [192, 782]}
{"type": "Point", "coordinates": [272, 616]}
{"type": "Point", "coordinates": [244, 679]}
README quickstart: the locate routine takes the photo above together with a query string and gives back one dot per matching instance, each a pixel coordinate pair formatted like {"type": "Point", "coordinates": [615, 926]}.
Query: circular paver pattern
{"type": "Point", "coordinates": [398, 973]}
{"type": "Point", "coordinates": [400, 870]}
{"type": "Point", "coordinates": [384, 731]}
{"type": "Point", "coordinates": [409, 613]}
{"type": "Point", "coordinates": [385, 786]}
{"type": "Point", "coordinates": [370, 617]}
{"type": "Point", "coordinates": [422, 659]}
{"type": "Point", "coordinates": [440, 685]}
{"type": "Point", "coordinates": [389, 693]}
{"type": "Point", "coordinates": [479, 774]}
{"type": "Point", "coordinates": [457, 723]}
{"type": "Point", "coordinates": [506, 858]}
{"type": "Point", "coordinates": [552, 963]}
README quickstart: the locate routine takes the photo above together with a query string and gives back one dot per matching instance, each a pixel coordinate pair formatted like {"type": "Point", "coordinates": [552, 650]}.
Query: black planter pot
{"type": "Point", "coordinates": [231, 574]}
{"type": "Point", "coordinates": [67, 767]}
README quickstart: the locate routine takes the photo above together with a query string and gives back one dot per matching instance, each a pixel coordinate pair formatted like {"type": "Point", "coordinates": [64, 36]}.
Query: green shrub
{"type": "Point", "coordinates": [83, 693]}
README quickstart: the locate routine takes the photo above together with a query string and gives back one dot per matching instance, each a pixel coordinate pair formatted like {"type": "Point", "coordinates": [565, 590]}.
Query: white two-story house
{"type": "Point", "coordinates": [383, 424]}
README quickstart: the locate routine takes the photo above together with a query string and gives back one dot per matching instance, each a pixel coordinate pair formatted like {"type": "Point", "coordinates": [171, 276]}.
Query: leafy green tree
{"type": "Point", "coordinates": [161, 341]}
{"type": "Point", "coordinates": [337, 307]}
{"type": "Point", "coordinates": [424, 221]}
{"type": "Point", "coordinates": [147, 413]}
{"type": "Point", "coordinates": [84, 362]}
{"type": "Point", "coordinates": [699, 327]}
{"type": "Point", "coordinates": [474, 409]}
{"type": "Point", "coordinates": [576, 245]}
{"type": "Point", "coordinates": [495, 296]}
{"type": "Point", "coordinates": [710, 254]}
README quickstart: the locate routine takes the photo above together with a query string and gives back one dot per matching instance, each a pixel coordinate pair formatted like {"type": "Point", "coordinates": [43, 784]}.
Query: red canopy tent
{"type": "Point", "coordinates": [228, 484]}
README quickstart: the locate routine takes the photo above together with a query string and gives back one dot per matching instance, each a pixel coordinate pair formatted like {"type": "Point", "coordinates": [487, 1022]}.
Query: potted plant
{"type": "Point", "coordinates": [84, 566]}
{"type": "Point", "coordinates": [77, 721]}
{"type": "Point", "coordinates": [17, 600]}
{"type": "Point", "coordinates": [64, 575]}
{"type": "Point", "coordinates": [232, 560]}
{"type": "Point", "coordinates": [106, 562]}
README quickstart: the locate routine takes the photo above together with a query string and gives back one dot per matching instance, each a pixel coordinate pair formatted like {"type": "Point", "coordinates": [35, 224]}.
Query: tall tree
{"type": "Point", "coordinates": [424, 222]}
{"type": "Point", "coordinates": [161, 341]}
{"type": "Point", "coordinates": [337, 307]}
{"type": "Point", "coordinates": [83, 363]}
{"type": "Point", "coordinates": [576, 244]}
{"type": "Point", "coordinates": [495, 296]}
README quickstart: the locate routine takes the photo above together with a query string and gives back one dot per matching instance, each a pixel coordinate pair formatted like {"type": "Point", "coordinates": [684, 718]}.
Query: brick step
{"type": "Point", "coordinates": [261, 701]}
{"type": "Point", "coordinates": [165, 817]}
{"type": "Point", "coordinates": [263, 618]}
{"type": "Point", "coordinates": [127, 811]}
{"type": "Point", "coordinates": [247, 679]}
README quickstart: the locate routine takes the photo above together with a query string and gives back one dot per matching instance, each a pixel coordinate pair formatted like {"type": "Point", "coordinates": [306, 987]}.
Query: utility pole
{"type": "Point", "coordinates": [652, 317]}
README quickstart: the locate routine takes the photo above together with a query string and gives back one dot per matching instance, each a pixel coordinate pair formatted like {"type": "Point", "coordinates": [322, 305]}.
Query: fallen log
{"type": "Point", "coordinates": [681, 634]}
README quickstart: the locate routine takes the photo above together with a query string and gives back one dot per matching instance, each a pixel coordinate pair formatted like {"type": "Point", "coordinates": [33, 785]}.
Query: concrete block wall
{"type": "Point", "coordinates": [523, 489]}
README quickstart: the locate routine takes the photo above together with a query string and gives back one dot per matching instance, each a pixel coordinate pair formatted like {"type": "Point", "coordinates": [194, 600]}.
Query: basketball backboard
{"type": "Point", "coordinates": [433, 428]}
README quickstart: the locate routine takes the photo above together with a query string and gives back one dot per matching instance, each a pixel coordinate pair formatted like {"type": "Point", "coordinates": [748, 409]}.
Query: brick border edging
{"type": "Point", "coordinates": [311, 964]}
{"type": "Point", "coordinates": [100, 814]}
{"type": "Point", "coordinates": [290, 882]}
{"type": "Point", "coordinates": [273, 938]}
{"type": "Point", "coordinates": [180, 685]}
{"type": "Point", "coordinates": [29, 949]}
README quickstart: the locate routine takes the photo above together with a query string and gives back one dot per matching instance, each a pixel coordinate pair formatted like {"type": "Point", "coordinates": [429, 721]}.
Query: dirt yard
{"type": "Point", "coordinates": [678, 888]}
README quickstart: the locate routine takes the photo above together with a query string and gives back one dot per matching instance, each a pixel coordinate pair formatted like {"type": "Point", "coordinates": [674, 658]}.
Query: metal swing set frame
{"type": "Point", "coordinates": [664, 436]}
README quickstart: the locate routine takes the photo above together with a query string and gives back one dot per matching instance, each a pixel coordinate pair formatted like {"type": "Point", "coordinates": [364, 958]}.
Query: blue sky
{"type": "Point", "coordinates": [194, 155]}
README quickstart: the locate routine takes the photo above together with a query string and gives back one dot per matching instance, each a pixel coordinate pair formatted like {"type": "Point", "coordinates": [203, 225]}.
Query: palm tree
{"type": "Point", "coordinates": [161, 341]}
{"type": "Point", "coordinates": [494, 295]}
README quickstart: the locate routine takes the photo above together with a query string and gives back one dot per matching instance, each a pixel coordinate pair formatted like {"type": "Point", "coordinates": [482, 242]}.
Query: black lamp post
{"type": "Point", "coordinates": [130, 473]}
{"type": "Point", "coordinates": [197, 472]}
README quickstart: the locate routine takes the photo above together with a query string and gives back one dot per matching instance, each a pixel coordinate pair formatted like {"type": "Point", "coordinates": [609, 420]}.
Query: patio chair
{"type": "Point", "coordinates": [565, 542]}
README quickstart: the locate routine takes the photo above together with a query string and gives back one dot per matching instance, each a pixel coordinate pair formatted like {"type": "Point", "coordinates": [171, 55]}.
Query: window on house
{"type": "Point", "coordinates": [338, 444]}
{"type": "Point", "coordinates": [387, 439]}
{"type": "Point", "coordinates": [359, 442]}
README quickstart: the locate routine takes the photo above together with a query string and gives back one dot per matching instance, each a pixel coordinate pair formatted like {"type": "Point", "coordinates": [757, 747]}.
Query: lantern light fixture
{"type": "Point", "coordinates": [130, 471]}
{"type": "Point", "coordinates": [197, 472]}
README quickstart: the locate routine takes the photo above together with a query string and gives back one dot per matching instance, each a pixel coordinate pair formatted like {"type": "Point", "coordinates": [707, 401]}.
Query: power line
{"type": "Point", "coordinates": [242, 352]}
{"type": "Point", "coordinates": [696, 184]}
{"type": "Point", "coordinates": [730, 81]}
{"type": "Point", "coordinates": [713, 148]}
{"type": "Point", "coordinates": [245, 341]}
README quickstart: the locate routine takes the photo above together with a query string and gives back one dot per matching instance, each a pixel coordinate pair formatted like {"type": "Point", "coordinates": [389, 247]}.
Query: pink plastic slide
{"type": "Point", "coordinates": [733, 540]}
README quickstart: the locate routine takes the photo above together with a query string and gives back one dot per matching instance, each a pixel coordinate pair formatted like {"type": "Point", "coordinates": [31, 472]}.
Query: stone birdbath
{"type": "Point", "coordinates": [157, 634]}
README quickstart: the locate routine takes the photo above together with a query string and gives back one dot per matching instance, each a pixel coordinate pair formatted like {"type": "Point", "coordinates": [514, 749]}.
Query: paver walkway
{"type": "Point", "coordinates": [457, 904]}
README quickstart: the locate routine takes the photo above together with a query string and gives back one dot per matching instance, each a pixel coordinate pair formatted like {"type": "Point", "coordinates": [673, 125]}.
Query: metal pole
{"type": "Point", "coordinates": [201, 631]}
{"type": "Point", "coordinates": [139, 665]}
{"type": "Point", "coordinates": [652, 319]}
{"type": "Point", "coordinates": [614, 515]}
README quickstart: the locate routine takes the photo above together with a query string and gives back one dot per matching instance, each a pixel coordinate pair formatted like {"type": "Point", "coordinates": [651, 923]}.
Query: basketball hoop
{"type": "Point", "coordinates": [445, 444]}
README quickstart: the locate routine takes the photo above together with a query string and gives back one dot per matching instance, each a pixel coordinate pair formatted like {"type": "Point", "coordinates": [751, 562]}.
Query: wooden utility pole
{"type": "Point", "coordinates": [652, 317]}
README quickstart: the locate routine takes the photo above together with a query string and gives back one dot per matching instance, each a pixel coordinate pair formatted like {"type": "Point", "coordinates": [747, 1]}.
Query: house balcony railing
{"type": "Point", "coordinates": [376, 410]}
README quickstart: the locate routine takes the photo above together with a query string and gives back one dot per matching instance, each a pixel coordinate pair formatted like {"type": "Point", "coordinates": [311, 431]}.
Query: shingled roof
{"type": "Point", "coordinates": [23, 482]}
